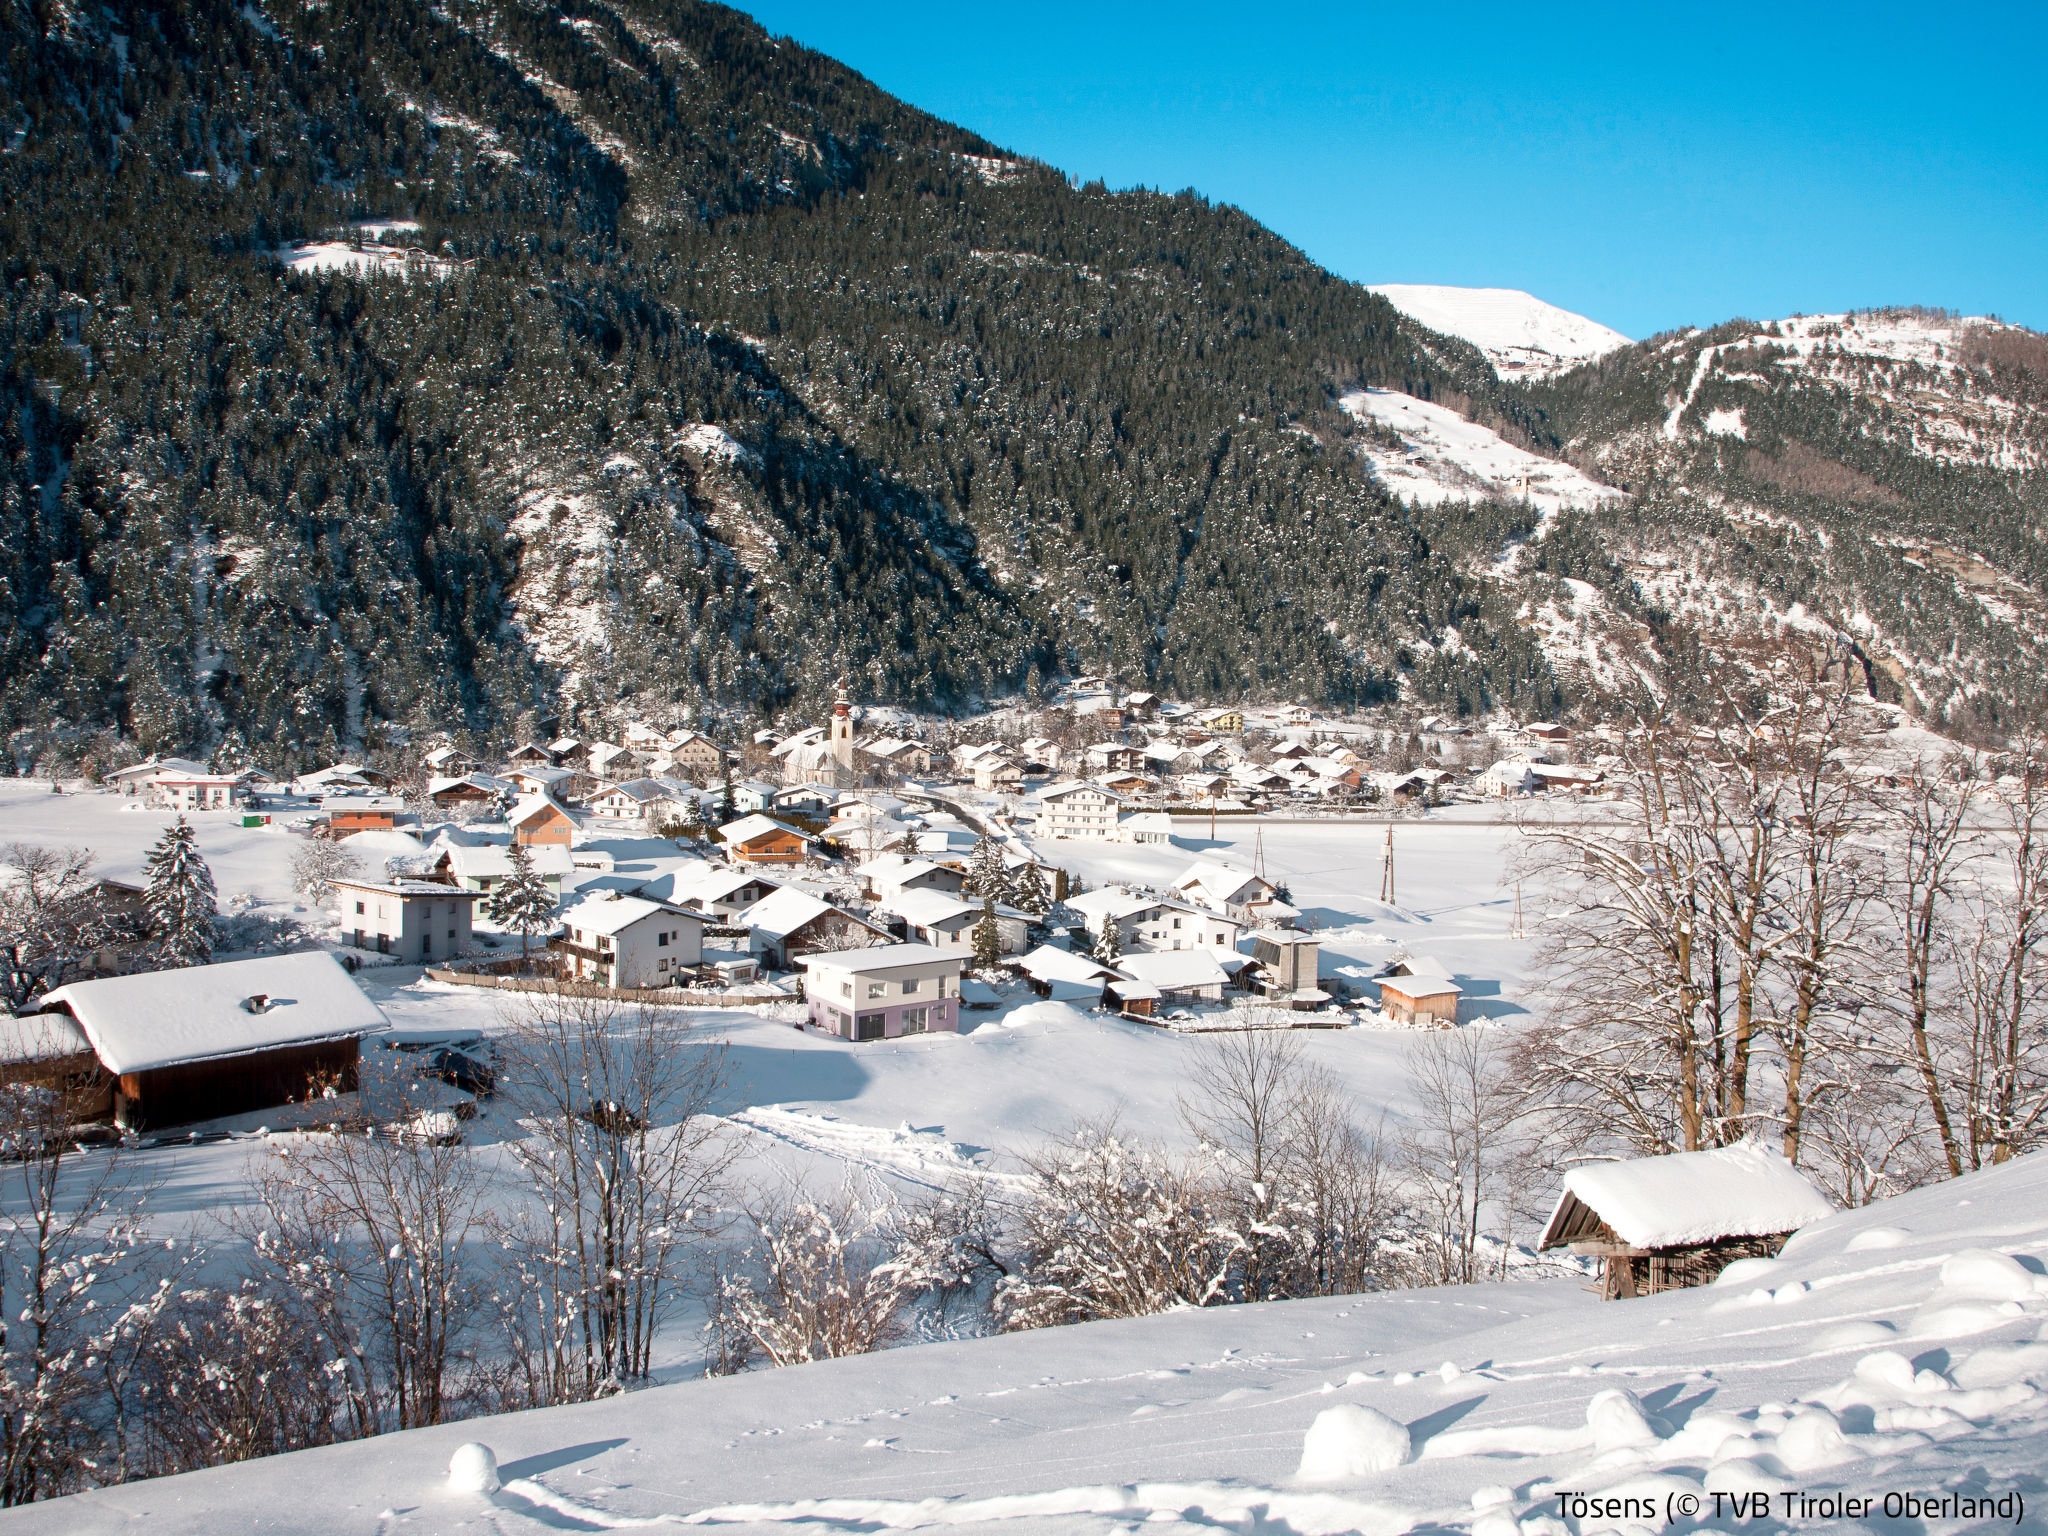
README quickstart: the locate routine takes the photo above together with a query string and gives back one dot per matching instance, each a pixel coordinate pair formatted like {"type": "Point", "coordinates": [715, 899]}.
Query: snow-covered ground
{"type": "Point", "coordinates": [1893, 1351]}
{"type": "Point", "coordinates": [1522, 336]}
{"type": "Point", "coordinates": [1445, 457]}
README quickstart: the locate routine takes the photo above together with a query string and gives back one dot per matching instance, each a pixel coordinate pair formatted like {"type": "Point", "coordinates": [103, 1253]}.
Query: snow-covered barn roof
{"type": "Point", "coordinates": [1686, 1198]}
{"type": "Point", "coordinates": [198, 1012]}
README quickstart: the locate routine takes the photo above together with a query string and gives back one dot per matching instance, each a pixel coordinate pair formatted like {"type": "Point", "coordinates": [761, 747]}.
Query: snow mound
{"type": "Point", "coordinates": [1349, 1442]}
{"type": "Point", "coordinates": [1522, 336]}
{"type": "Point", "coordinates": [1443, 456]}
{"type": "Point", "coordinates": [473, 1469]}
{"type": "Point", "coordinates": [1044, 1013]}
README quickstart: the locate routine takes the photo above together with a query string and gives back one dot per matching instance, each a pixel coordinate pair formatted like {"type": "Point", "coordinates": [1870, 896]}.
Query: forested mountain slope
{"type": "Point", "coordinates": [373, 363]}
{"type": "Point", "coordinates": [1873, 479]}
{"type": "Point", "coordinates": [714, 373]}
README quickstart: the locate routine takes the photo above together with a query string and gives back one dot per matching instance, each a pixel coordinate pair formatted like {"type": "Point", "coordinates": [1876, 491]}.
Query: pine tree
{"type": "Point", "coordinates": [728, 807]}
{"type": "Point", "coordinates": [1109, 943]}
{"type": "Point", "coordinates": [180, 898]}
{"type": "Point", "coordinates": [523, 903]}
{"type": "Point", "coordinates": [1030, 893]}
{"type": "Point", "coordinates": [987, 876]}
{"type": "Point", "coordinates": [988, 938]}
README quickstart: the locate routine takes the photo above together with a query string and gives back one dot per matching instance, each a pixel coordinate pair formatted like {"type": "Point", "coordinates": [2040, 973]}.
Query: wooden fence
{"type": "Point", "coordinates": [674, 997]}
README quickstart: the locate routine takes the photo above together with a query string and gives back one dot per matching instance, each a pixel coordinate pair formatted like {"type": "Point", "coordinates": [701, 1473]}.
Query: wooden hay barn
{"type": "Point", "coordinates": [213, 1040]}
{"type": "Point", "coordinates": [1666, 1223]}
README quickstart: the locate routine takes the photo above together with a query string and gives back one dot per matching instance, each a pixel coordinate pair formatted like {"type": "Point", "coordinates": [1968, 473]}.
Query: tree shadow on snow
{"type": "Point", "coordinates": [548, 1461]}
{"type": "Point", "coordinates": [1419, 1430]}
{"type": "Point", "coordinates": [1667, 1405]}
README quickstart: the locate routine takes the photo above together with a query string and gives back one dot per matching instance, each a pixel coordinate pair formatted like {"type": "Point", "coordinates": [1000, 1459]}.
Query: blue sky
{"type": "Point", "coordinates": [1648, 170]}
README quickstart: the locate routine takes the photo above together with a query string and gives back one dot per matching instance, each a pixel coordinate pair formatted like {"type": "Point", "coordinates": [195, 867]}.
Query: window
{"type": "Point", "coordinates": [359, 909]}
{"type": "Point", "coordinates": [661, 942]}
{"type": "Point", "coordinates": [868, 1027]}
{"type": "Point", "coordinates": [914, 1020]}
{"type": "Point", "coordinates": [1176, 922]}
{"type": "Point", "coordinates": [910, 986]}
{"type": "Point", "coordinates": [878, 989]}
{"type": "Point", "coordinates": [846, 989]}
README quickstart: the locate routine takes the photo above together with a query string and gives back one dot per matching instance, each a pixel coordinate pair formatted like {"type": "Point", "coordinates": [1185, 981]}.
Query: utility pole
{"type": "Point", "coordinates": [1259, 852]}
{"type": "Point", "coordinates": [1387, 869]}
{"type": "Point", "coordinates": [1516, 931]}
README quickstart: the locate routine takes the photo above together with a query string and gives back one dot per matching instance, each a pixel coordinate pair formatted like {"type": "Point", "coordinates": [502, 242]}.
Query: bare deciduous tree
{"type": "Point", "coordinates": [626, 1164]}
{"type": "Point", "coordinates": [52, 920]}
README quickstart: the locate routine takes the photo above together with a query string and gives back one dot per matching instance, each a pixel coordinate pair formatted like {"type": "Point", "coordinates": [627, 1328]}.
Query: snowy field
{"type": "Point", "coordinates": [914, 1113]}
{"type": "Point", "coordinates": [1890, 1350]}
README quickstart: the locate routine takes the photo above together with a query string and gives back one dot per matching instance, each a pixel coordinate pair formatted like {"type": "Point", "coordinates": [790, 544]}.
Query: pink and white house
{"type": "Point", "coordinates": [885, 992]}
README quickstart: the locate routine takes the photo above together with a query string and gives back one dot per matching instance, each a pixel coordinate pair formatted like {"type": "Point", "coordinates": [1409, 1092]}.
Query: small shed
{"type": "Point", "coordinates": [211, 1040]}
{"type": "Point", "coordinates": [1665, 1223]}
{"type": "Point", "coordinates": [50, 1052]}
{"type": "Point", "coordinates": [1420, 992]}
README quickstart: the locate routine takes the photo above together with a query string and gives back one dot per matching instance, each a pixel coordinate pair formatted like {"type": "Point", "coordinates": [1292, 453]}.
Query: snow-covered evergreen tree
{"type": "Point", "coordinates": [1029, 893]}
{"type": "Point", "coordinates": [522, 902]}
{"type": "Point", "coordinates": [987, 877]}
{"type": "Point", "coordinates": [1109, 942]}
{"type": "Point", "coordinates": [180, 898]}
{"type": "Point", "coordinates": [988, 938]}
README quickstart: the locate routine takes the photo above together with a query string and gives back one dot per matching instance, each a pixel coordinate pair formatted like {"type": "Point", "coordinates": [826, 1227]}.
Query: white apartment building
{"type": "Point", "coordinates": [1077, 809]}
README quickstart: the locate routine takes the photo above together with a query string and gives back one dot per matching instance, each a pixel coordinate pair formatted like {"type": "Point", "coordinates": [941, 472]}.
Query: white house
{"type": "Point", "coordinates": [888, 875]}
{"type": "Point", "coordinates": [643, 800]}
{"type": "Point", "coordinates": [1077, 809]}
{"type": "Point", "coordinates": [1514, 776]}
{"type": "Point", "coordinates": [420, 921]}
{"type": "Point", "coordinates": [136, 776]}
{"type": "Point", "coordinates": [629, 941]}
{"type": "Point", "coordinates": [1251, 899]}
{"type": "Point", "coordinates": [886, 992]}
{"type": "Point", "coordinates": [949, 922]}
{"type": "Point", "coordinates": [1154, 827]}
{"type": "Point", "coordinates": [718, 891]}
{"type": "Point", "coordinates": [1065, 976]}
{"type": "Point", "coordinates": [1151, 923]}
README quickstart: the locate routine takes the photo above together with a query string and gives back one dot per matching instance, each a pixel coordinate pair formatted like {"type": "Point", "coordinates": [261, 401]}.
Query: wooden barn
{"type": "Point", "coordinates": [1665, 1223]}
{"type": "Point", "coordinates": [213, 1040]}
{"type": "Point", "coordinates": [1420, 991]}
{"type": "Point", "coordinates": [49, 1051]}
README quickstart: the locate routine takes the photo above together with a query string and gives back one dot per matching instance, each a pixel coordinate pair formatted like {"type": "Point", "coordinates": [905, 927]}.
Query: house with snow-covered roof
{"type": "Point", "coordinates": [1064, 976]}
{"type": "Point", "coordinates": [616, 940]}
{"type": "Point", "coordinates": [1187, 975]}
{"type": "Point", "coordinates": [888, 875]}
{"type": "Point", "coordinates": [788, 924]}
{"type": "Point", "coordinates": [1223, 888]}
{"type": "Point", "coordinates": [203, 1041]}
{"type": "Point", "coordinates": [1147, 923]}
{"type": "Point", "coordinates": [716, 890]}
{"type": "Point", "coordinates": [539, 819]}
{"type": "Point", "coordinates": [483, 867]}
{"type": "Point", "coordinates": [949, 922]}
{"type": "Point", "coordinates": [759, 839]}
{"type": "Point", "coordinates": [1665, 1223]}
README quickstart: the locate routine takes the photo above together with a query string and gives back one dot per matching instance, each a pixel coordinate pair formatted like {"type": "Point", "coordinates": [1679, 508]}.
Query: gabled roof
{"type": "Point", "coordinates": [1219, 880]}
{"type": "Point", "coordinates": [1048, 964]}
{"type": "Point", "coordinates": [705, 883]}
{"type": "Point", "coordinates": [612, 913]}
{"type": "Point", "coordinates": [1686, 1197]}
{"type": "Point", "coordinates": [925, 908]}
{"type": "Point", "coordinates": [534, 807]}
{"type": "Point", "coordinates": [495, 859]}
{"type": "Point", "coordinates": [781, 913]}
{"type": "Point", "coordinates": [163, 1018]}
{"type": "Point", "coordinates": [747, 828]}
{"type": "Point", "coordinates": [1174, 968]}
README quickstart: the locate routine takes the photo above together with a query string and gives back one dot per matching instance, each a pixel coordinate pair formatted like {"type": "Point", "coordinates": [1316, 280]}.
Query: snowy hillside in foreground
{"type": "Point", "coordinates": [1891, 1348]}
{"type": "Point", "coordinates": [1523, 337]}
{"type": "Point", "coordinates": [1444, 456]}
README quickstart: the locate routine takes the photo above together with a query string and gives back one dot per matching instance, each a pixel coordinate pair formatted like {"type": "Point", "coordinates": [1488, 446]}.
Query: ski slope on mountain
{"type": "Point", "coordinates": [1891, 1350]}
{"type": "Point", "coordinates": [1523, 337]}
{"type": "Point", "coordinates": [1443, 457]}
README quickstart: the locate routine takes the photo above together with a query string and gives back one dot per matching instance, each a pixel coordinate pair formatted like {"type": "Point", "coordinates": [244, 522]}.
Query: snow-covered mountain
{"type": "Point", "coordinates": [1889, 1349]}
{"type": "Point", "coordinates": [1443, 456]}
{"type": "Point", "coordinates": [1523, 337]}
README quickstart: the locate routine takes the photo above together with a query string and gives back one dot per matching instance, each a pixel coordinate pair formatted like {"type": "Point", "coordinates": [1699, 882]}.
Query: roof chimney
{"type": "Point", "coordinates": [257, 1002]}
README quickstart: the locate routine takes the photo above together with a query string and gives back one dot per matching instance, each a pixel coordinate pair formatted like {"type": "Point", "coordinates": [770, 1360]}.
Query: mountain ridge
{"type": "Point", "coordinates": [443, 464]}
